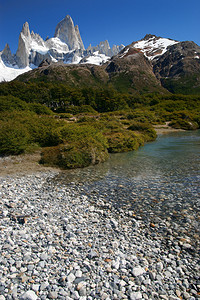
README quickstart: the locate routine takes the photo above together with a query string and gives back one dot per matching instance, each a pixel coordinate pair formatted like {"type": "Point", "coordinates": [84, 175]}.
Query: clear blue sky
{"type": "Point", "coordinates": [120, 22]}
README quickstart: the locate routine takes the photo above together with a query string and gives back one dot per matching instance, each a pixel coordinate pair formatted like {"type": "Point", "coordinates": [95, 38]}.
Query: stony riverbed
{"type": "Point", "coordinates": [60, 242]}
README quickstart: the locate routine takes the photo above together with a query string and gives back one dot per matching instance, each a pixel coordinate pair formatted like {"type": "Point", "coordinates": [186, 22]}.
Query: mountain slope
{"type": "Point", "coordinates": [128, 71]}
{"type": "Point", "coordinates": [179, 68]}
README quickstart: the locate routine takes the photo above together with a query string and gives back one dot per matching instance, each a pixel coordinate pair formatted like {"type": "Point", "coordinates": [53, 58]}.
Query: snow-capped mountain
{"type": "Point", "coordinates": [66, 46]}
{"type": "Point", "coordinates": [168, 59]}
{"type": "Point", "coordinates": [153, 46]}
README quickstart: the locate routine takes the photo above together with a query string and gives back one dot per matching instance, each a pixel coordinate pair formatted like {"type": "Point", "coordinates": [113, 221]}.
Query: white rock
{"type": "Point", "coordinates": [91, 208]}
{"type": "Point", "coordinates": [29, 295]}
{"type": "Point", "coordinates": [135, 295]}
{"type": "Point", "coordinates": [137, 271]}
{"type": "Point", "coordinates": [35, 287]}
{"type": "Point", "coordinates": [113, 223]}
{"type": "Point", "coordinates": [122, 283]}
{"type": "Point", "coordinates": [116, 264]}
{"type": "Point", "coordinates": [78, 273]}
{"type": "Point", "coordinates": [159, 266]}
{"type": "Point", "coordinates": [71, 277]}
{"type": "Point", "coordinates": [5, 213]}
{"type": "Point", "coordinates": [43, 256]}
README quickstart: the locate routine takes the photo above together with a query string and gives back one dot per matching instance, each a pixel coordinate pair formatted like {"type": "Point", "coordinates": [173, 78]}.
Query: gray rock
{"type": "Point", "coordinates": [52, 295]}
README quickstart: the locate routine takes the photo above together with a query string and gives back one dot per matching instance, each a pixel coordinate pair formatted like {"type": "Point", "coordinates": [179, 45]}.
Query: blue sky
{"type": "Point", "coordinates": [120, 22]}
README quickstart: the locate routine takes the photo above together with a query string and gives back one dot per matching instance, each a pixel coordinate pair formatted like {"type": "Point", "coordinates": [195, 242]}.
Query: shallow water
{"type": "Point", "coordinates": [161, 179]}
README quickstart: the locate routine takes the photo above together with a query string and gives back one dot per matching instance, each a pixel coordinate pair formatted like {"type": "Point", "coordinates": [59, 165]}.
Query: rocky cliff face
{"type": "Point", "coordinates": [22, 54]}
{"type": "Point", "coordinates": [104, 48]}
{"type": "Point", "coordinates": [131, 70]}
{"type": "Point", "coordinates": [7, 56]}
{"type": "Point", "coordinates": [69, 34]}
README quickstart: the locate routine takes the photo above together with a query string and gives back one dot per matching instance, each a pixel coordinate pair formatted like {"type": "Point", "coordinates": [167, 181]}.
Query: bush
{"type": "Point", "coordinates": [14, 138]}
{"type": "Point", "coordinates": [75, 154]}
{"type": "Point", "coordinates": [184, 124]}
{"type": "Point", "coordinates": [65, 116]}
{"type": "Point", "coordinates": [147, 130]}
{"type": "Point", "coordinates": [10, 103]}
{"type": "Point", "coordinates": [123, 142]}
{"type": "Point", "coordinates": [39, 109]}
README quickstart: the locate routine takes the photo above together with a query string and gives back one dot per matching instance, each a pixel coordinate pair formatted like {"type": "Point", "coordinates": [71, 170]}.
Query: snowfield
{"type": "Point", "coordinates": [9, 73]}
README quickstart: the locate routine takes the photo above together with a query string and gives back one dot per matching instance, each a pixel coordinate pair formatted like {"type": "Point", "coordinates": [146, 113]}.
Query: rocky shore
{"type": "Point", "coordinates": [58, 243]}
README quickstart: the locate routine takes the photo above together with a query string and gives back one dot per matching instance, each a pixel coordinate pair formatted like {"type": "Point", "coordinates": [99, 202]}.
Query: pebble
{"type": "Point", "coordinates": [76, 245]}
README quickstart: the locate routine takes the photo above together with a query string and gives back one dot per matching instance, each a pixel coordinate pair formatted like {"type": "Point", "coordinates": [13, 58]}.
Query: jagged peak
{"type": "Point", "coordinates": [7, 47]}
{"type": "Point", "coordinates": [69, 34]}
{"type": "Point", "coordinates": [25, 29]}
{"type": "Point", "coordinates": [7, 55]}
{"type": "Point", "coordinates": [68, 17]}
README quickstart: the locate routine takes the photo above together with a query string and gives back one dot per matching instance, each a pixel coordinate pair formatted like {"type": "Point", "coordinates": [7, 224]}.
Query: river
{"type": "Point", "coordinates": [160, 180]}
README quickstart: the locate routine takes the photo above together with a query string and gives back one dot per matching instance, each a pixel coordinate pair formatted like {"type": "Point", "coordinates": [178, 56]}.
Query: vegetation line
{"type": "Point", "coordinates": [77, 127]}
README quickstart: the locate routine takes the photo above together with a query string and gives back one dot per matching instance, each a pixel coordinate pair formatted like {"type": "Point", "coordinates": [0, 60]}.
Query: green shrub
{"type": "Point", "coordinates": [10, 103]}
{"type": "Point", "coordinates": [39, 109]}
{"type": "Point", "coordinates": [147, 130]}
{"type": "Point", "coordinates": [65, 116]}
{"type": "Point", "coordinates": [123, 142]}
{"type": "Point", "coordinates": [14, 138]}
{"type": "Point", "coordinates": [82, 146]}
{"type": "Point", "coordinates": [75, 154]}
{"type": "Point", "coordinates": [184, 124]}
{"type": "Point", "coordinates": [139, 126]}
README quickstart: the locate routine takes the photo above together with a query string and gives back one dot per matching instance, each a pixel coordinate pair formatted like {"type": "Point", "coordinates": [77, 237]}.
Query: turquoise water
{"type": "Point", "coordinates": [161, 179]}
{"type": "Point", "coordinates": [176, 154]}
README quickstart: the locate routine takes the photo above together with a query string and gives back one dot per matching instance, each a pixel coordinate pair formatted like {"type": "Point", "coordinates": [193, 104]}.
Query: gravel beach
{"type": "Point", "coordinates": [58, 243]}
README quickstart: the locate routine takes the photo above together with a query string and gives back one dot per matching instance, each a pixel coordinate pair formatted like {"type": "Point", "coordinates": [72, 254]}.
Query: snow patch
{"type": "Point", "coordinates": [154, 46]}
{"type": "Point", "coordinates": [57, 44]}
{"type": "Point", "coordinates": [97, 59]}
{"type": "Point", "coordinates": [38, 48]}
{"type": "Point", "coordinates": [125, 52]}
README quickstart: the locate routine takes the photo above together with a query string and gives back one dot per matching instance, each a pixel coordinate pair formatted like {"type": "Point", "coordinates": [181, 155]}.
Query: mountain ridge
{"type": "Point", "coordinates": [172, 64]}
{"type": "Point", "coordinates": [66, 46]}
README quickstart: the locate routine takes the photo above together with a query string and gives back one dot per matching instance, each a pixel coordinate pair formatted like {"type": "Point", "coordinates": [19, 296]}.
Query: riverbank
{"type": "Point", "coordinates": [165, 129]}
{"type": "Point", "coordinates": [29, 163]}
{"type": "Point", "coordinates": [58, 243]}
{"type": "Point", "coordinates": [23, 164]}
